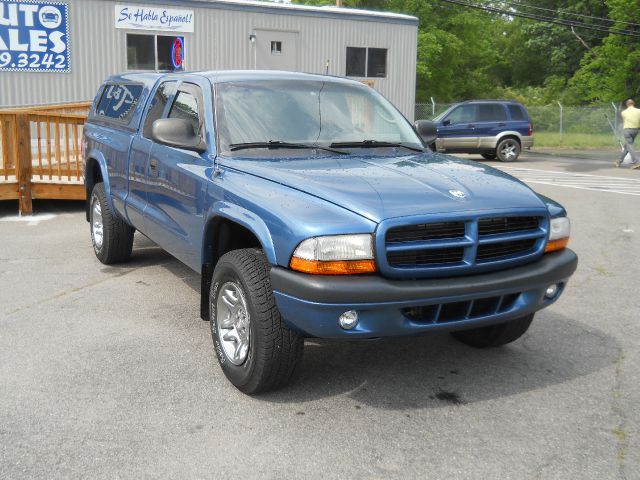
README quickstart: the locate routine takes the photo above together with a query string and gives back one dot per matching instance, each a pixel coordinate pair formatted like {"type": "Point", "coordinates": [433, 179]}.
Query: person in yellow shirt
{"type": "Point", "coordinates": [630, 129]}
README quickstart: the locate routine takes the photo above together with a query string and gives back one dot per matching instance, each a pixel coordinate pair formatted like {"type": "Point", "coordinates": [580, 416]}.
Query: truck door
{"type": "Point", "coordinates": [177, 184]}
{"type": "Point", "coordinates": [139, 158]}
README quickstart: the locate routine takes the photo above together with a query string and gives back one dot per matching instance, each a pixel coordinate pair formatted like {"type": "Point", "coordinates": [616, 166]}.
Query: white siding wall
{"type": "Point", "coordinates": [220, 41]}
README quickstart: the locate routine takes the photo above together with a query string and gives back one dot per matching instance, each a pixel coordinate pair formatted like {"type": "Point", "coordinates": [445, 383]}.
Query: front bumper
{"type": "Point", "coordinates": [312, 303]}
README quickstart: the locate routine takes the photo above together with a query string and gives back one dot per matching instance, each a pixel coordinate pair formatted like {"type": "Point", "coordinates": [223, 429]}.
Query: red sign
{"type": "Point", "coordinates": [177, 53]}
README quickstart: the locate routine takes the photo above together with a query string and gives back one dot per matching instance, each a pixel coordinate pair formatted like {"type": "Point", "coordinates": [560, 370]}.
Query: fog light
{"type": "Point", "coordinates": [348, 319]}
{"type": "Point", "coordinates": [552, 291]}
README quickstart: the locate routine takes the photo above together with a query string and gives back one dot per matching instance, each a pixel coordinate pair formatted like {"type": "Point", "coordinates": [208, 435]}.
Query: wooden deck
{"type": "Point", "coordinates": [41, 154]}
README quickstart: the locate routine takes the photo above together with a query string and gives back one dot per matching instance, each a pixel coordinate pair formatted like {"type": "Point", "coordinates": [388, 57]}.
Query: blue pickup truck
{"type": "Point", "coordinates": [312, 208]}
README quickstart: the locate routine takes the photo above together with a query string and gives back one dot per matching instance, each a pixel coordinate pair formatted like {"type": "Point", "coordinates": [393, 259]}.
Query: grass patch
{"type": "Point", "coordinates": [574, 140]}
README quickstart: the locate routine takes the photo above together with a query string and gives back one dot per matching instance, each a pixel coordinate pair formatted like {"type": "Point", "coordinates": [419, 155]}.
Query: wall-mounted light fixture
{"type": "Point", "coordinates": [254, 47]}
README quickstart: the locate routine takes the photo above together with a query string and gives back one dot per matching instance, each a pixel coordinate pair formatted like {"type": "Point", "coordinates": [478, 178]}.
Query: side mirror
{"type": "Point", "coordinates": [177, 132]}
{"type": "Point", "coordinates": [446, 122]}
{"type": "Point", "coordinates": [427, 130]}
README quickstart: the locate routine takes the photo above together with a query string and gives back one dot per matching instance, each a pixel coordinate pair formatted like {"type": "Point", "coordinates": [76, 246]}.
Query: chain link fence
{"type": "Point", "coordinates": [568, 120]}
{"type": "Point", "coordinates": [427, 111]}
{"type": "Point", "coordinates": [559, 125]}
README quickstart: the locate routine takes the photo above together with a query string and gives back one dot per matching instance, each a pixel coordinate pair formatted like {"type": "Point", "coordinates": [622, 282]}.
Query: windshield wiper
{"type": "Point", "coordinates": [273, 144]}
{"type": "Point", "coordinates": [374, 144]}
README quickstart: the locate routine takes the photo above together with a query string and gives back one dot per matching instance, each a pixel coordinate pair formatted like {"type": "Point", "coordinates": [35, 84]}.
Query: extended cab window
{"type": "Point", "coordinates": [186, 106]}
{"type": "Point", "coordinates": [463, 114]}
{"type": "Point", "coordinates": [156, 108]}
{"type": "Point", "coordinates": [491, 112]}
{"type": "Point", "coordinates": [119, 101]}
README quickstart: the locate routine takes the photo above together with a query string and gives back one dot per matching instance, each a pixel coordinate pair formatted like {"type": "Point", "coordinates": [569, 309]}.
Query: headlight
{"type": "Point", "coordinates": [560, 229]}
{"type": "Point", "coordinates": [335, 255]}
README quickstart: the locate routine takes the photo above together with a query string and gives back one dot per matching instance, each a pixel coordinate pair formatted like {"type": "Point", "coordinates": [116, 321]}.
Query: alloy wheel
{"type": "Point", "coordinates": [233, 319]}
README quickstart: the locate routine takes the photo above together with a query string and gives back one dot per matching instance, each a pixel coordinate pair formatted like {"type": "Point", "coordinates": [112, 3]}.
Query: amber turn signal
{"type": "Point", "coordinates": [553, 245]}
{"type": "Point", "coordinates": [340, 267]}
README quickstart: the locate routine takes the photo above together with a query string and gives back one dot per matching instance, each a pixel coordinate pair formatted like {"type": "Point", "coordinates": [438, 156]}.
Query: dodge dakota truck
{"type": "Point", "coordinates": [311, 207]}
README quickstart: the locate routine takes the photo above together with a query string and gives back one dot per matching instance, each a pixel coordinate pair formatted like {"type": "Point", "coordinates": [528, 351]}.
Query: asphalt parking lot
{"type": "Point", "coordinates": [108, 372]}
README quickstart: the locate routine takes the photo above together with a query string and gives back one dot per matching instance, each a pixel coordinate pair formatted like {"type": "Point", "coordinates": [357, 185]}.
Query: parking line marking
{"type": "Point", "coordinates": [30, 220]}
{"type": "Point", "coordinates": [580, 181]}
{"type": "Point", "coordinates": [572, 174]}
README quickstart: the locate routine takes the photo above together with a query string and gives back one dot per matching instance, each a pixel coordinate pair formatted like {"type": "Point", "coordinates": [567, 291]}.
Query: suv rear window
{"type": "Point", "coordinates": [119, 101]}
{"type": "Point", "coordinates": [491, 112]}
{"type": "Point", "coordinates": [517, 112]}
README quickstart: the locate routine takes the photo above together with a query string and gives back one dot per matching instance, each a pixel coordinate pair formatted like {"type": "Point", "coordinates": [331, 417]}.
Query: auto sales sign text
{"type": "Point", "coordinates": [34, 36]}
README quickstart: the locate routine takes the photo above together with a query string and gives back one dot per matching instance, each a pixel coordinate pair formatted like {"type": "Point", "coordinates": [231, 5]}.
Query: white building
{"type": "Point", "coordinates": [60, 51]}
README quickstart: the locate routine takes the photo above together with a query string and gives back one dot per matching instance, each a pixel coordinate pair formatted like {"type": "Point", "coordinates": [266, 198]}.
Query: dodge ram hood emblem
{"type": "Point", "coordinates": [458, 193]}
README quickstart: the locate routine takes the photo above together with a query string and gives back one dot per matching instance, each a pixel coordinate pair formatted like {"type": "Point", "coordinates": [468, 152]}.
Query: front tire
{"type": "Point", "coordinates": [112, 237]}
{"type": "Point", "coordinates": [255, 349]}
{"type": "Point", "coordinates": [508, 150]}
{"type": "Point", "coordinates": [494, 335]}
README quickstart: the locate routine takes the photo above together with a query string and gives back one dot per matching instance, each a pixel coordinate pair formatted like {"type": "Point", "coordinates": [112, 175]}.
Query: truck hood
{"type": "Point", "coordinates": [382, 187]}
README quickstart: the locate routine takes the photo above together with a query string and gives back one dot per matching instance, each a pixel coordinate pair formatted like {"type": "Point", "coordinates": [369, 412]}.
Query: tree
{"type": "Point", "coordinates": [469, 53]}
{"type": "Point", "coordinates": [611, 71]}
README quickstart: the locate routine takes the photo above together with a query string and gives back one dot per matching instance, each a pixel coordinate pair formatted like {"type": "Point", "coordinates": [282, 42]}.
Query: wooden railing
{"type": "Point", "coordinates": [41, 153]}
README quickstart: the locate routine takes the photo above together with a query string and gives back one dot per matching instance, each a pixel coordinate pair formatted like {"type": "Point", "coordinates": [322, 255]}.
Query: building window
{"type": "Point", "coordinates": [377, 62]}
{"type": "Point", "coordinates": [150, 52]}
{"type": "Point", "coordinates": [366, 62]}
{"type": "Point", "coordinates": [276, 48]}
{"type": "Point", "coordinates": [356, 61]}
{"type": "Point", "coordinates": [141, 52]}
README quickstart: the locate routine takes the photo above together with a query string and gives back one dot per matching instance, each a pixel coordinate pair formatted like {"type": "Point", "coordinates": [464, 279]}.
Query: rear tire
{"type": "Point", "coordinates": [255, 349]}
{"type": "Point", "coordinates": [494, 335]}
{"type": "Point", "coordinates": [112, 237]}
{"type": "Point", "coordinates": [489, 156]}
{"type": "Point", "coordinates": [508, 150]}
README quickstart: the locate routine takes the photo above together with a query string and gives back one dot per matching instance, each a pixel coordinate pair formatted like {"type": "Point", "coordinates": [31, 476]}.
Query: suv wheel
{"type": "Point", "coordinates": [489, 156]}
{"type": "Point", "coordinates": [495, 335]}
{"type": "Point", "coordinates": [508, 150]}
{"type": "Point", "coordinates": [256, 350]}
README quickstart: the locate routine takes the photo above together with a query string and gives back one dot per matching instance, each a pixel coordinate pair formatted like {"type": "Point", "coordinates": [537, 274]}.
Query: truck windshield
{"type": "Point", "coordinates": [312, 113]}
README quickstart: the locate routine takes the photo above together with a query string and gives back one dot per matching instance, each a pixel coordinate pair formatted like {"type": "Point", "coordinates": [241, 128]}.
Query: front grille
{"type": "Point", "coordinates": [426, 231]}
{"type": "Point", "coordinates": [490, 226]}
{"type": "Point", "coordinates": [457, 311]}
{"type": "Point", "coordinates": [504, 249]}
{"type": "Point", "coordinates": [457, 246]}
{"type": "Point", "coordinates": [426, 257]}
